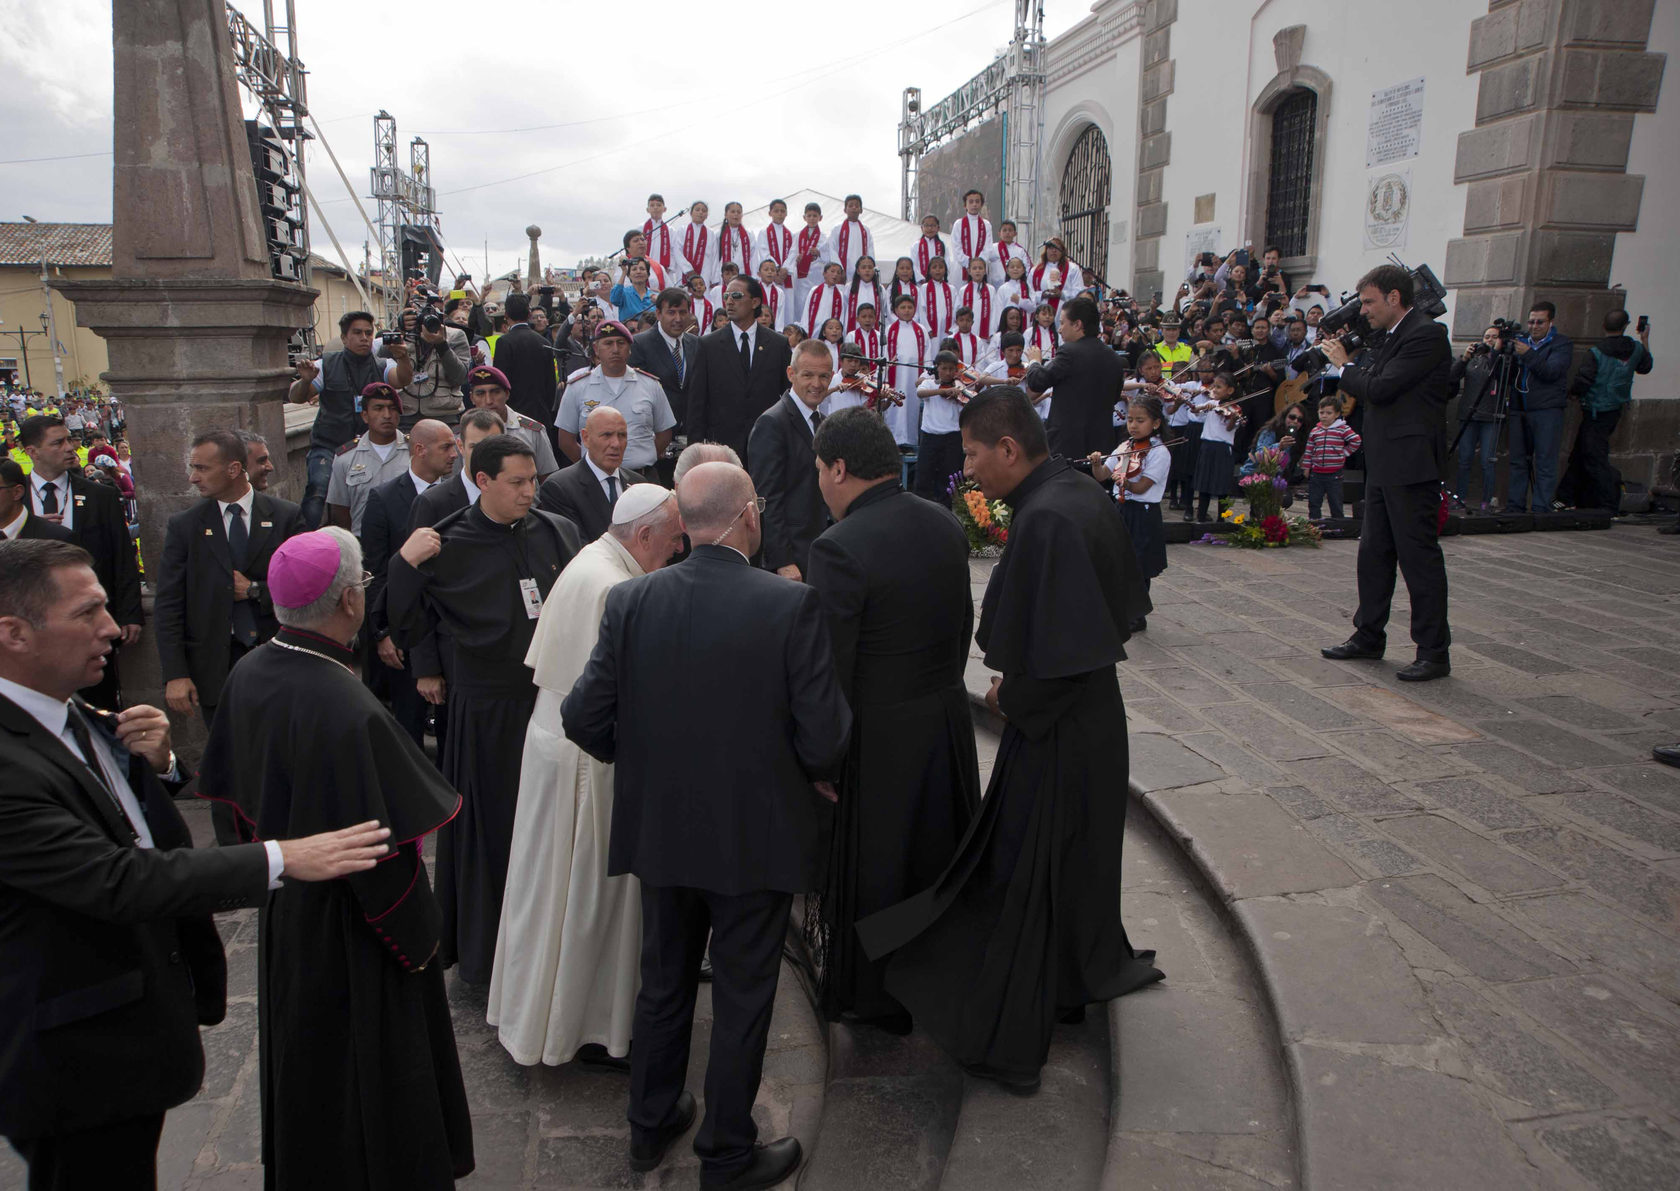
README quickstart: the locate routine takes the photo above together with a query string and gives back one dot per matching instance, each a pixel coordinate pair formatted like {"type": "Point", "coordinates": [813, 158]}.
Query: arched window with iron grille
{"type": "Point", "coordinates": [1086, 185]}
{"type": "Point", "coordinates": [1289, 191]}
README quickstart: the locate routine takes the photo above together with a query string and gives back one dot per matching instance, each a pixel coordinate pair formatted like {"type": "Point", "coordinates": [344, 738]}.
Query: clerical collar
{"type": "Point", "coordinates": [1035, 480]}
{"type": "Point", "coordinates": [295, 640]}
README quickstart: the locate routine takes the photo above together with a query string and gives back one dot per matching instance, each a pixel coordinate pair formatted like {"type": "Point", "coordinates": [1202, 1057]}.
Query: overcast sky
{"type": "Point", "coordinates": [568, 123]}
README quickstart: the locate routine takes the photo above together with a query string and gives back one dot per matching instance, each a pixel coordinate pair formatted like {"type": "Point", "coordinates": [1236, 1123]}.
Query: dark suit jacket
{"type": "Point", "coordinates": [723, 400]}
{"type": "Point", "coordinates": [108, 958]}
{"type": "Point", "coordinates": [38, 528]}
{"type": "Point", "coordinates": [1086, 376]}
{"type": "Point", "coordinates": [101, 529]}
{"type": "Point", "coordinates": [428, 655]}
{"type": "Point", "coordinates": [784, 470]}
{"type": "Point", "coordinates": [649, 353]}
{"type": "Point", "coordinates": [194, 607]}
{"type": "Point", "coordinates": [528, 362]}
{"type": "Point", "coordinates": [718, 735]}
{"type": "Point", "coordinates": [384, 530]}
{"type": "Point", "coordinates": [575, 493]}
{"type": "Point", "coordinates": [436, 503]}
{"type": "Point", "coordinates": [1403, 384]}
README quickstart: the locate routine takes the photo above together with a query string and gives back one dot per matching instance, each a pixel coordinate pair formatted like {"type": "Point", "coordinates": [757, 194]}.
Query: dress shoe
{"type": "Point", "coordinates": [1350, 649]}
{"type": "Point", "coordinates": [770, 1164]}
{"type": "Point", "coordinates": [593, 1054]}
{"type": "Point", "coordinates": [1139, 625]}
{"type": "Point", "coordinates": [1668, 754]}
{"type": "Point", "coordinates": [1423, 670]}
{"type": "Point", "coordinates": [645, 1155]}
{"type": "Point", "coordinates": [1014, 1085]}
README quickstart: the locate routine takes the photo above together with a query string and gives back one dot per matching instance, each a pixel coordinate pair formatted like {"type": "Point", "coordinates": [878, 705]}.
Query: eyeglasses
{"type": "Point", "coordinates": [734, 293]}
{"type": "Point", "coordinates": [367, 577]}
{"type": "Point", "coordinates": [757, 502]}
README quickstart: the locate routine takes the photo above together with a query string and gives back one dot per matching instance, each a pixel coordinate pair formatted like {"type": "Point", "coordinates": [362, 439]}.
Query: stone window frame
{"type": "Point", "coordinates": [1260, 155]}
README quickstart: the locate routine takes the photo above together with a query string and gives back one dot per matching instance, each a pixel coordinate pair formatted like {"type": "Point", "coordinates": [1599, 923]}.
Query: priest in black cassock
{"type": "Point", "coordinates": [893, 576]}
{"type": "Point", "coordinates": [482, 574]}
{"type": "Point", "coordinates": [1024, 926]}
{"type": "Point", "coordinates": [361, 1085]}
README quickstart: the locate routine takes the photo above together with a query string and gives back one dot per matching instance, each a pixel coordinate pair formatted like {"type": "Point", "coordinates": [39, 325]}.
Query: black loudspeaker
{"type": "Point", "coordinates": [280, 198]}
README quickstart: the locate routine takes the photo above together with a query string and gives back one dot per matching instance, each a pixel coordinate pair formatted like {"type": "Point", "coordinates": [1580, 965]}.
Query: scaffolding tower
{"type": "Point", "coordinates": [405, 198]}
{"type": "Point", "coordinates": [1011, 87]}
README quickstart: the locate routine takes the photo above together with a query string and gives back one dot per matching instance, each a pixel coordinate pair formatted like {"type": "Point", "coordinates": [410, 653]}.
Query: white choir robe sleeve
{"type": "Point", "coordinates": [1073, 279]}
{"type": "Point", "coordinates": [1016, 293]}
{"type": "Point", "coordinates": [777, 298]}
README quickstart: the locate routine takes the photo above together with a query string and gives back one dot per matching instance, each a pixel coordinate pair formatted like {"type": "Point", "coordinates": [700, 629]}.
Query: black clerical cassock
{"type": "Point", "coordinates": [893, 577]}
{"type": "Point", "coordinates": [477, 588]}
{"type": "Point", "coordinates": [1025, 923]}
{"type": "Point", "coordinates": [361, 1086]}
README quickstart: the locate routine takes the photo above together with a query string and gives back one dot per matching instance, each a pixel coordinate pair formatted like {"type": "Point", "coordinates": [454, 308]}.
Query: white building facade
{"type": "Point", "coordinates": [1512, 146]}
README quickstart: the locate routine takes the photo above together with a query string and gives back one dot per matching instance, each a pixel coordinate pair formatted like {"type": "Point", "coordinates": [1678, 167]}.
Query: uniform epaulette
{"type": "Point", "coordinates": [648, 374]}
{"type": "Point", "coordinates": [350, 446]}
{"type": "Point", "coordinates": [580, 372]}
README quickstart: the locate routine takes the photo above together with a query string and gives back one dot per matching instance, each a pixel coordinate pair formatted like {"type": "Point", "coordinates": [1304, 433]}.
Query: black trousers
{"type": "Point", "coordinates": [937, 457]}
{"type": "Point", "coordinates": [121, 1156]}
{"type": "Point", "coordinates": [1399, 530]}
{"type": "Point", "coordinates": [747, 931]}
{"type": "Point", "coordinates": [1589, 482]}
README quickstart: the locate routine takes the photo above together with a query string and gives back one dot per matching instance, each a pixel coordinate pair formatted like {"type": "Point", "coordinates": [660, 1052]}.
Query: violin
{"type": "Point", "coordinates": [1230, 409]}
{"type": "Point", "coordinates": [876, 396]}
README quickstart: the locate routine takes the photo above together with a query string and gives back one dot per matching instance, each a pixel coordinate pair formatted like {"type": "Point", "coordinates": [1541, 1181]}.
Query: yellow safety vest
{"type": "Point", "coordinates": [21, 458]}
{"type": "Point", "coordinates": [1172, 357]}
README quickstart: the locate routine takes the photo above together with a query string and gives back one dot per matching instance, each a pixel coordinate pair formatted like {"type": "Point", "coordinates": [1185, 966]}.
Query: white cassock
{"type": "Point", "coordinates": [924, 251]}
{"type": "Point", "coordinates": [1018, 293]}
{"type": "Point", "coordinates": [935, 311]}
{"type": "Point", "coordinates": [970, 347]}
{"type": "Point", "coordinates": [662, 247]}
{"type": "Point", "coordinates": [987, 307]}
{"type": "Point", "coordinates": [810, 247]}
{"type": "Point", "coordinates": [998, 255]}
{"type": "Point", "coordinates": [703, 309]}
{"type": "Point", "coordinates": [1044, 339]}
{"type": "Point", "coordinates": [735, 244]}
{"type": "Point", "coordinates": [775, 243]}
{"type": "Point", "coordinates": [848, 242]}
{"type": "Point", "coordinates": [907, 347]}
{"type": "Point", "coordinates": [969, 239]}
{"type": "Point", "coordinates": [870, 341]}
{"type": "Point", "coordinates": [568, 955]}
{"type": "Point", "coordinates": [863, 293]}
{"type": "Point", "coordinates": [781, 306]}
{"type": "Point", "coordinates": [826, 302]}
{"type": "Point", "coordinates": [697, 245]}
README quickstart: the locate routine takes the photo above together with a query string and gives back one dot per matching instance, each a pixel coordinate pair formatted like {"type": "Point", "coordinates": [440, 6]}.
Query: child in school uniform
{"type": "Point", "coordinates": [1139, 491]}
{"type": "Point", "coordinates": [1213, 457]}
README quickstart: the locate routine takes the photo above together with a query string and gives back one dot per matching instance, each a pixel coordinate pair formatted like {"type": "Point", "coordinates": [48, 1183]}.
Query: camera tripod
{"type": "Point", "coordinates": [1505, 369]}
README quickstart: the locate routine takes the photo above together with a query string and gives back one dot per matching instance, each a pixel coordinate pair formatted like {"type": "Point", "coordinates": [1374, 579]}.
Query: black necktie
{"type": "Point", "coordinates": [84, 741]}
{"type": "Point", "coordinates": [676, 358]}
{"type": "Point", "coordinates": [612, 491]}
{"type": "Point", "coordinates": [239, 542]}
{"type": "Point", "coordinates": [816, 420]}
{"type": "Point", "coordinates": [746, 353]}
{"type": "Point", "coordinates": [49, 499]}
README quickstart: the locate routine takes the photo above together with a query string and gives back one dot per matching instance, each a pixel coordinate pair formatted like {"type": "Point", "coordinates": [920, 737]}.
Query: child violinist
{"type": "Point", "coordinates": [1214, 456]}
{"type": "Point", "coordinates": [1139, 467]}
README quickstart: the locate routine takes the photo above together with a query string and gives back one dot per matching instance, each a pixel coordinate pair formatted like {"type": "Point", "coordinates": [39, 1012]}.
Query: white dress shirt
{"type": "Point", "coordinates": [244, 503]}
{"type": "Point", "coordinates": [14, 527]}
{"type": "Point", "coordinates": [750, 334]}
{"type": "Point", "coordinates": [601, 478]}
{"type": "Point", "coordinates": [66, 503]}
{"type": "Point", "coordinates": [419, 484]}
{"type": "Point", "coordinates": [54, 715]}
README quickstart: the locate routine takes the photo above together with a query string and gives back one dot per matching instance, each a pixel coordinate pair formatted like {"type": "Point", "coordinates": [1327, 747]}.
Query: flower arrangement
{"type": "Point", "coordinates": [1266, 485]}
{"type": "Point", "coordinates": [985, 523]}
{"type": "Point", "coordinates": [1260, 533]}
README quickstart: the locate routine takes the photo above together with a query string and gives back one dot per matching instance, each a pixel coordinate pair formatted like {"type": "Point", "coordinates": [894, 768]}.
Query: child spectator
{"type": "Point", "coordinates": [1329, 445]}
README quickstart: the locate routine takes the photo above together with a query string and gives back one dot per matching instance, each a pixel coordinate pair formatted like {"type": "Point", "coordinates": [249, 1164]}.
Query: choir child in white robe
{"type": "Point", "coordinates": [734, 241]}
{"type": "Point", "coordinates": [907, 348]}
{"type": "Point", "coordinates": [851, 239]}
{"type": "Point", "coordinates": [865, 290]}
{"type": "Point", "coordinates": [1017, 289]}
{"type": "Point", "coordinates": [698, 245]}
{"type": "Point", "coordinates": [978, 295]}
{"type": "Point", "coordinates": [938, 302]}
{"type": "Point", "coordinates": [775, 242]}
{"type": "Point", "coordinates": [828, 300]}
{"type": "Point", "coordinates": [776, 301]}
{"type": "Point", "coordinates": [833, 334]}
{"type": "Point", "coordinates": [973, 233]}
{"type": "Point", "coordinates": [842, 393]}
{"type": "Point", "coordinates": [1041, 336]}
{"type": "Point", "coordinates": [867, 333]}
{"type": "Point", "coordinates": [929, 247]}
{"type": "Point", "coordinates": [903, 282]}
{"type": "Point", "coordinates": [1002, 251]}
{"type": "Point", "coordinates": [970, 347]}
{"type": "Point", "coordinates": [809, 248]}
{"type": "Point", "coordinates": [700, 305]}
{"type": "Point", "coordinates": [1012, 320]}
{"type": "Point", "coordinates": [662, 246]}
{"type": "Point", "coordinates": [568, 954]}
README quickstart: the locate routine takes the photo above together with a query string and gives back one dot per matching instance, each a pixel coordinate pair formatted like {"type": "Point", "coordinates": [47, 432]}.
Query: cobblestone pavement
{"type": "Point", "coordinates": [1464, 896]}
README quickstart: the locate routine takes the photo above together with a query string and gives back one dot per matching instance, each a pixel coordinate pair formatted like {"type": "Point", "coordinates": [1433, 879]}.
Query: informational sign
{"type": "Point", "coordinates": [1388, 209]}
{"type": "Point", "coordinates": [1396, 123]}
{"type": "Point", "coordinates": [1202, 238]}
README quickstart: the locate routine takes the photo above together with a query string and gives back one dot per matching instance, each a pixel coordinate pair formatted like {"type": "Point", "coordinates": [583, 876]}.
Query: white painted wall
{"type": "Point", "coordinates": [1645, 260]}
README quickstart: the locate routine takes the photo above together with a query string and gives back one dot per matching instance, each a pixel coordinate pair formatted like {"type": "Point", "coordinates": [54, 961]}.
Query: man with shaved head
{"type": "Point", "coordinates": [587, 491]}
{"type": "Point", "coordinates": [726, 743]}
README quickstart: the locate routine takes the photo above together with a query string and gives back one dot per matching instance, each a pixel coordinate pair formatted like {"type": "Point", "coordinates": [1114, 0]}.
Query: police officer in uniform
{"type": "Point", "coordinates": [380, 453]}
{"type": "Point", "coordinates": [487, 388]}
{"type": "Point", "coordinates": [636, 394]}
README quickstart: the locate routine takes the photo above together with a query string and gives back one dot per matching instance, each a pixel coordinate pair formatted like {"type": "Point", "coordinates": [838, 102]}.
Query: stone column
{"type": "Point", "coordinates": [533, 267]}
{"type": "Point", "coordinates": [1155, 83]}
{"type": "Point", "coordinates": [1546, 166]}
{"type": "Point", "coordinates": [195, 324]}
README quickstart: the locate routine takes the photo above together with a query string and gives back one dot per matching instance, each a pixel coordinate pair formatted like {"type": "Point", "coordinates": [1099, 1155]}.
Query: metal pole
{"type": "Point", "coordinates": [52, 318]}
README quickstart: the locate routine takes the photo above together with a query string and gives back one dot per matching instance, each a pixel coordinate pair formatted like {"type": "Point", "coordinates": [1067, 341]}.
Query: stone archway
{"type": "Point", "coordinates": [1083, 202]}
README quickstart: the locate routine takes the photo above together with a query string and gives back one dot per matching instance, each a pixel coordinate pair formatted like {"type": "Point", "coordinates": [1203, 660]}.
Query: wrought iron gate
{"type": "Point", "coordinates": [1289, 190]}
{"type": "Point", "coordinates": [1084, 203]}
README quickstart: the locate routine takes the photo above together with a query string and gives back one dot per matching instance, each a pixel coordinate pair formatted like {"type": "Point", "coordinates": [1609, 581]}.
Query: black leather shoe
{"type": "Point", "coordinates": [593, 1054]}
{"type": "Point", "coordinates": [1422, 671]}
{"type": "Point", "coordinates": [649, 1154]}
{"type": "Point", "coordinates": [770, 1165]}
{"type": "Point", "coordinates": [1350, 649]}
{"type": "Point", "coordinates": [706, 968]}
{"type": "Point", "coordinates": [1668, 754]}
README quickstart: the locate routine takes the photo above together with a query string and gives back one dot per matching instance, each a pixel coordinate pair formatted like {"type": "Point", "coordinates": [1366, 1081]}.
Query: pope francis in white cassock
{"type": "Point", "coordinates": [568, 955]}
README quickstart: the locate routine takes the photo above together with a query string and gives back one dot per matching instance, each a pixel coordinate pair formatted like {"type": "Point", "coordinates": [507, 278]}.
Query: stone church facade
{"type": "Point", "coordinates": [1513, 146]}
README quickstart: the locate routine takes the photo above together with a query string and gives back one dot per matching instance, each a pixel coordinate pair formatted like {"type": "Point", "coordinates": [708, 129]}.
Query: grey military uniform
{"type": "Point", "coordinates": [640, 398]}
{"type": "Point", "coordinates": [359, 471]}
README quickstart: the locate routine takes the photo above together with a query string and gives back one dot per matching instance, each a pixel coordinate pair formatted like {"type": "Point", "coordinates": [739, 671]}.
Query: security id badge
{"type": "Point", "coordinates": [532, 597]}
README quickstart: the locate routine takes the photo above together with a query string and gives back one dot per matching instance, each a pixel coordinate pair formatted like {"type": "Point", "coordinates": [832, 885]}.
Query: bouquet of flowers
{"type": "Point", "coordinates": [1260, 533]}
{"type": "Point", "coordinates": [1265, 487]}
{"type": "Point", "coordinates": [985, 523]}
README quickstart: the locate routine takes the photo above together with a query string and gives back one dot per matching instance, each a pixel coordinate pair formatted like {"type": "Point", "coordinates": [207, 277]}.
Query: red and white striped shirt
{"type": "Point", "coordinates": [1328, 447]}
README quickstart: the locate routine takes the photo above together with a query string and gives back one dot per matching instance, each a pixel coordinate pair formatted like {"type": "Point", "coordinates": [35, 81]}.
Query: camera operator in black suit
{"type": "Point", "coordinates": [1403, 384]}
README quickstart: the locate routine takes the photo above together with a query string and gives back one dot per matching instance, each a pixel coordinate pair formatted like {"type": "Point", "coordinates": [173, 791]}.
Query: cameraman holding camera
{"type": "Point", "coordinates": [334, 383]}
{"type": "Point", "coordinates": [1403, 385]}
{"type": "Point", "coordinates": [1542, 392]}
{"type": "Point", "coordinates": [1478, 404]}
{"type": "Point", "coordinates": [442, 356]}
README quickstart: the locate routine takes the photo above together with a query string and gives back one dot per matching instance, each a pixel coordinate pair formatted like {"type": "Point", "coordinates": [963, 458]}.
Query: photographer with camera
{"type": "Point", "coordinates": [1480, 410]}
{"type": "Point", "coordinates": [334, 383]}
{"type": "Point", "coordinates": [1604, 386]}
{"type": "Point", "coordinates": [441, 357]}
{"type": "Point", "coordinates": [1403, 385]}
{"type": "Point", "coordinates": [1536, 408]}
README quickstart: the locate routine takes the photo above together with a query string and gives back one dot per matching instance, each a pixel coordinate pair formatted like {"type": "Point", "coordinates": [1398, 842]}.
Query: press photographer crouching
{"type": "Point", "coordinates": [334, 383]}
{"type": "Point", "coordinates": [1402, 380]}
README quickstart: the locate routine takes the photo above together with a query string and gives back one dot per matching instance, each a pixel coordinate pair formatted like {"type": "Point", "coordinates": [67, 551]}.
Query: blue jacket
{"type": "Point", "coordinates": [1545, 373]}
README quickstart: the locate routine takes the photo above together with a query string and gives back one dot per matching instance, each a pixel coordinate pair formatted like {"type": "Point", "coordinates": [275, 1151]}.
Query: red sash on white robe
{"type": "Point", "coordinates": [827, 301]}
{"type": "Point", "coordinates": [932, 312]}
{"type": "Point", "coordinates": [702, 312]}
{"type": "Point", "coordinates": [869, 342]}
{"type": "Point", "coordinates": [659, 242]}
{"type": "Point", "coordinates": [777, 242]}
{"type": "Point", "coordinates": [857, 297]}
{"type": "Point", "coordinates": [924, 253]}
{"type": "Point", "coordinates": [968, 346]}
{"type": "Point", "coordinates": [985, 233]}
{"type": "Point", "coordinates": [845, 242]}
{"type": "Point", "coordinates": [982, 308]}
{"type": "Point", "coordinates": [697, 259]}
{"type": "Point", "coordinates": [810, 240]}
{"type": "Point", "coordinates": [728, 238]}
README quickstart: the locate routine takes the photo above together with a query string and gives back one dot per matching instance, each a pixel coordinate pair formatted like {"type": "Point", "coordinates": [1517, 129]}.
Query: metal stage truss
{"type": "Point", "coordinates": [1013, 87]}
{"type": "Point", "coordinates": [406, 198]}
